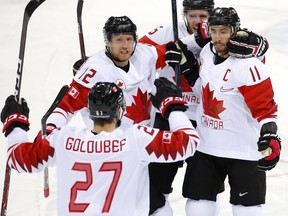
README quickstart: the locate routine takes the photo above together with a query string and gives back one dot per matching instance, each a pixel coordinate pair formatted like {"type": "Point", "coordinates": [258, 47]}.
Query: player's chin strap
{"type": "Point", "coordinates": [212, 48]}
{"type": "Point", "coordinates": [118, 123]}
{"type": "Point", "coordinates": [119, 117]}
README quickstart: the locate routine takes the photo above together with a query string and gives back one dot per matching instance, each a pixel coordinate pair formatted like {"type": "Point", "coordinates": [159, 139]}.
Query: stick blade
{"type": "Point", "coordinates": [32, 5]}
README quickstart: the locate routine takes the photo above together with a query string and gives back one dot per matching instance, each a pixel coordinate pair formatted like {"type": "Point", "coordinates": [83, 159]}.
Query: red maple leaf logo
{"type": "Point", "coordinates": [120, 83]}
{"type": "Point", "coordinates": [140, 110]}
{"type": "Point", "coordinates": [211, 105]}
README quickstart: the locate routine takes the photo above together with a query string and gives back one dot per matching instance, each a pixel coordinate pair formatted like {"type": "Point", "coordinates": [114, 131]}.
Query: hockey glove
{"type": "Point", "coordinates": [173, 54]}
{"type": "Point", "coordinates": [14, 115]}
{"type": "Point", "coordinates": [168, 97]}
{"type": "Point", "coordinates": [177, 53]}
{"type": "Point", "coordinates": [269, 144]}
{"type": "Point", "coordinates": [246, 44]}
{"type": "Point", "coordinates": [202, 36]}
{"type": "Point", "coordinates": [77, 66]}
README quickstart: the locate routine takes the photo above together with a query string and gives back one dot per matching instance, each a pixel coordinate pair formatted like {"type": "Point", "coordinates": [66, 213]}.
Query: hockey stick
{"type": "Point", "coordinates": [29, 9]}
{"type": "Point", "coordinates": [55, 103]}
{"type": "Point", "coordinates": [80, 30]}
{"type": "Point", "coordinates": [176, 37]}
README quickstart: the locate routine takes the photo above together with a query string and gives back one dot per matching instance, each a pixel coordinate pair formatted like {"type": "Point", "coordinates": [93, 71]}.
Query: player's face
{"type": "Point", "coordinates": [194, 17]}
{"type": "Point", "coordinates": [121, 47]}
{"type": "Point", "coordinates": [220, 35]}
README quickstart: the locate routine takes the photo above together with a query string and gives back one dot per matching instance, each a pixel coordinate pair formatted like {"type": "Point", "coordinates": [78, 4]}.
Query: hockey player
{"type": "Point", "coordinates": [195, 12]}
{"type": "Point", "coordinates": [236, 119]}
{"type": "Point", "coordinates": [132, 66]}
{"type": "Point", "coordinates": [99, 171]}
{"type": "Point", "coordinates": [162, 175]}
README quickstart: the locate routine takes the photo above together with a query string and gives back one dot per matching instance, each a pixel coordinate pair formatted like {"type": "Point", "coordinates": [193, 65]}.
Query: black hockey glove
{"type": "Point", "coordinates": [177, 53]}
{"type": "Point", "coordinates": [168, 97]}
{"type": "Point", "coordinates": [246, 44]}
{"type": "Point", "coordinates": [269, 144]}
{"type": "Point", "coordinates": [173, 54]}
{"type": "Point", "coordinates": [14, 115]}
{"type": "Point", "coordinates": [202, 36]}
{"type": "Point", "coordinates": [77, 66]}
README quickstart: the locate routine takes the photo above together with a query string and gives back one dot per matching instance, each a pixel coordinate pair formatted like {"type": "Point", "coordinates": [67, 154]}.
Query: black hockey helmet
{"type": "Point", "coordinates": [198, 5]}
{"type": "Point", "coordinates": [104, 100]}
{"type": "Point", "coordinates": [118, 25]}
{"type": "Point", "coordinates": [225, 16]}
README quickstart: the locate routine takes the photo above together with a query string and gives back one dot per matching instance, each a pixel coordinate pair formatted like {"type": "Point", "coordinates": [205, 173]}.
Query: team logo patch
{"type": "Point", "coordinates": [140, 109]}
{"type": "Point", "coordinates": [120, 84]}
{"type": "Point", "coordinates": [166, 138]}
{"type": "Point", "coordinates": [211, 105]}
{"type": "Point", "coordinates": [73, 92]}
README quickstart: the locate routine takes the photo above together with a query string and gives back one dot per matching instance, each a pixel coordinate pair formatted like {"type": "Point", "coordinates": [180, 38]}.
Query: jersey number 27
{"type": "Point", "coordinates": [115, 167]}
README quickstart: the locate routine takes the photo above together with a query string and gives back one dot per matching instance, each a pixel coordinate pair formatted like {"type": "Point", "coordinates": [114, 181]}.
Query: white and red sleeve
{"type": "Point", "coordinates": [25, 156]}
{"type": "Point", "coordinates": [73, 101]}
{"type": "Point", "coordinates": [168, 146]}
{"type": "Point", "coordinates": [258, 93]}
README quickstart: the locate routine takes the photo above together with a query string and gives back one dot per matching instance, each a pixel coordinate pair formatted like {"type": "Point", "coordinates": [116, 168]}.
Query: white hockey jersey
{"type": "Point", "coordinates": [237, 99]}
{"type": "Point", "coordinates": [136, 84]}
{"type": "Point", "coordinates": [107, 173]}
{"type": "Point", "coordinates": [163, 35]}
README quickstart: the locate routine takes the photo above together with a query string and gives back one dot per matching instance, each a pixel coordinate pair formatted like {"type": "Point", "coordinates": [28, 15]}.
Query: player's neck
{"type": "Point", "coordinates": [121, 63]}
{"type": "Point", "coordinates": [125, 65]}
{"type": "Point", "coordinates": [218, 59]}
{"type": "Point", "coordinates": [109, 127]}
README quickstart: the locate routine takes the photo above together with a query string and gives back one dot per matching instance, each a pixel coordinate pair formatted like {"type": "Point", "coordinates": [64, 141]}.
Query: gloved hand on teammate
{"type": "Point", "coordinates": [246, 44]}
{"type": "Point", "coordinates": [269, 144]}
{"type": "Point", "coordinates": [177, 53]}
{"type": "Point", "coordinates": [202, 36]}
{"type": "Point", "coordinates": [168, 97]}
{"type": "Point", "coordinates": [14, 114]}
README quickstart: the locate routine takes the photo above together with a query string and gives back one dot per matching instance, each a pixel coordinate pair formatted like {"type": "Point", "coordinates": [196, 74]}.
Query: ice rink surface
{"type": "Point", "coordinates": [52, 47]}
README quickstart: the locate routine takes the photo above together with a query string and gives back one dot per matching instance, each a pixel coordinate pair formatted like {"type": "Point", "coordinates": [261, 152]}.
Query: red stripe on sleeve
{"type": "Point", "coordinates": [75, 99]}
{"type": "Point", "coordinates": [161, 49]}
{"type": "Point", "coordinates": [28, 155]}
{"type": "Point", "coordinates": [259, 99]}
